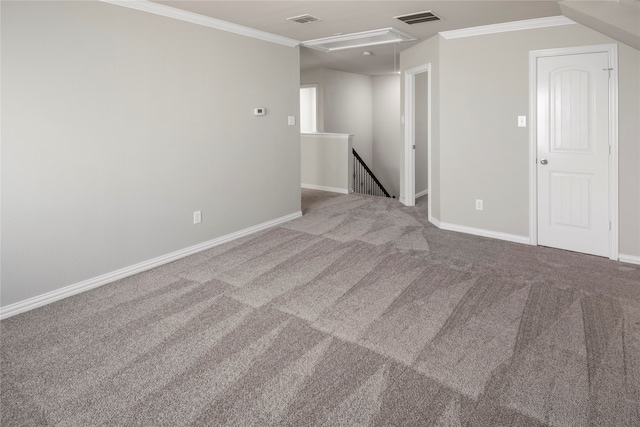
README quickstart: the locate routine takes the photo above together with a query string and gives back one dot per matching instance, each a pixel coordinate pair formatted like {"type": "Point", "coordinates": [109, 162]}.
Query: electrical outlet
{"type": "Point", "coordinates": [197, 217]}
{"type": "Point", "coordinates": [479, 205]}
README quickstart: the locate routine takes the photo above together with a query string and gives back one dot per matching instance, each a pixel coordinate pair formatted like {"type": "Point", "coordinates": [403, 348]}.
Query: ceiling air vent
{"type": "Point", "coordinates": [418, 17]}
{"type": "Point", "coordinates": [304, 19]}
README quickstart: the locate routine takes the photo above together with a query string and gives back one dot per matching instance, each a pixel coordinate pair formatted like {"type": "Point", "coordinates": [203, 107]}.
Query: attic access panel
{"type": "Point", "coordinates": [362, 39]}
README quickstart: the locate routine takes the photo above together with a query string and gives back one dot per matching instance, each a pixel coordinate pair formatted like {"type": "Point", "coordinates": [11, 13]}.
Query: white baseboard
{"type": "Point", "coordinates": [324, 188]}
{"type": "Point", "coordinates": [85, 285]}
{"type": "Point", "coordinates": [481, 232]}
{"type": "Point", "coordinates": [422, 193]}
{"type": "Point", "coordinates": [631, 259]}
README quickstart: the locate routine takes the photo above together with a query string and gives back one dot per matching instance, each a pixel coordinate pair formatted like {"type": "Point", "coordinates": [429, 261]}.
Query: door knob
{"type": "Point", "coordinates": [543, 162]}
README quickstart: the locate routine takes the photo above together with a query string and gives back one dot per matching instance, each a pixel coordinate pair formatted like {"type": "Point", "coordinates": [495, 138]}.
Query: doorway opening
{"type": "Point", "coordinates": [413, 130]}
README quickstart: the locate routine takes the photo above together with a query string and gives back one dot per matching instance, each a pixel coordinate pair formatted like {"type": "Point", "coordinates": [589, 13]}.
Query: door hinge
{"type": "Point", "coordinates": [609, 70]}
{"type": "Point", "coordinates": [414, 146]}
{"type": "Point", "coordinates": [609, 225]}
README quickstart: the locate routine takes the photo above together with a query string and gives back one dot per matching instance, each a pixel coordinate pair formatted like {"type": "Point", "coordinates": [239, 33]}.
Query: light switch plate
{"type": "Point", "coordinates": [522, 121]}
{"type": "Point", "coordinates": [291, 120]}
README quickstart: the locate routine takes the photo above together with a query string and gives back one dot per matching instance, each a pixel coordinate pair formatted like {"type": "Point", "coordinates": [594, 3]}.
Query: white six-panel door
{"type": "Point", "coordinates": [573, 152]}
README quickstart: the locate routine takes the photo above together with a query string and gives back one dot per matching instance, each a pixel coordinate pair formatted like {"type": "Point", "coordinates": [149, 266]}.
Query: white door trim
{"type": "Point", "coordinates": [612, 50]}
{"type": "Point", "coordinates": [410, 135]}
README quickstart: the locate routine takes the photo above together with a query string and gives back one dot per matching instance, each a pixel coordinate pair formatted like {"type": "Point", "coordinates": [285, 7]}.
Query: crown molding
{"type": "Point", "coordinates": [206, 21]}
{"type": "Point", "coordinates": [527, 24]}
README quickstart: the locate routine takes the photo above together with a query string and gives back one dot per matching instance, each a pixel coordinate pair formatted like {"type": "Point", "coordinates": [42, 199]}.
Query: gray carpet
{"type": "Point", "coordinates": [359, 313]}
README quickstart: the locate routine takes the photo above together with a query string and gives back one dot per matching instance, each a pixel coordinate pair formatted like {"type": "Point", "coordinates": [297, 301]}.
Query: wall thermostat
{"type": "Point", "coordinates": [260, 111]}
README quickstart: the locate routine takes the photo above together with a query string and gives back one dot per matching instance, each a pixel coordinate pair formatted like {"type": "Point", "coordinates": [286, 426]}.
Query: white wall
{"type": "Point", "coordinates": [483, 86]}
{"type": "Point", "coordinates": [118, 124]}
{"type": "Point", "coordinates": [387, 131]}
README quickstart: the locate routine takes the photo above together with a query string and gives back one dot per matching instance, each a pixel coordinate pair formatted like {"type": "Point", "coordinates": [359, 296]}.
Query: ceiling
{"type": "Point", "coordinates": [354, 16]}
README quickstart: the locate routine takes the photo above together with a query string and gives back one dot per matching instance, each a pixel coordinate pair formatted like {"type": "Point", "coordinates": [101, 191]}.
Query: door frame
{"type": "Point", "coordinates": [410, 135]}
{"type": "Point", "coordinates": [612, 51]}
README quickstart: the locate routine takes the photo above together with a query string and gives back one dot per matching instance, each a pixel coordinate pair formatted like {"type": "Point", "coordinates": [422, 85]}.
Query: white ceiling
{"type": "Point", "coordinates": [355, 16]}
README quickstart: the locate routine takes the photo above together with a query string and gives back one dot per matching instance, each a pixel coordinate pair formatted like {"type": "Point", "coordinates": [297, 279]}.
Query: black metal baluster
{"type": "Point", "coordinates": [364, 181]}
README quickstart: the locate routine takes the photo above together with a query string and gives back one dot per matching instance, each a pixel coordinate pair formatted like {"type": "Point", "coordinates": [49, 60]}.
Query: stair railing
{"type": "Point", "coordinates": [364, 181]}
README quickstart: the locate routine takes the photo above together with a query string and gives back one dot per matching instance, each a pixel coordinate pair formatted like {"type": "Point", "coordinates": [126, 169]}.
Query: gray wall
{"type": "Point", "coordinates": [616, 19]}
{"type": "Point", "coordinates": [118, 124]}
{"type": "Point", "coordinates": [387, 131]}
{"type": "Point", "coordinates": [629, 149]}
{"type": "Point", "coordinates": [327, 162]}
{"type": "Point", "coordinates": [367, 107]}
{"type": "Point", "coordinates": [483, 87]}
{"type": "Point", "coordinates": [345, 101]}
